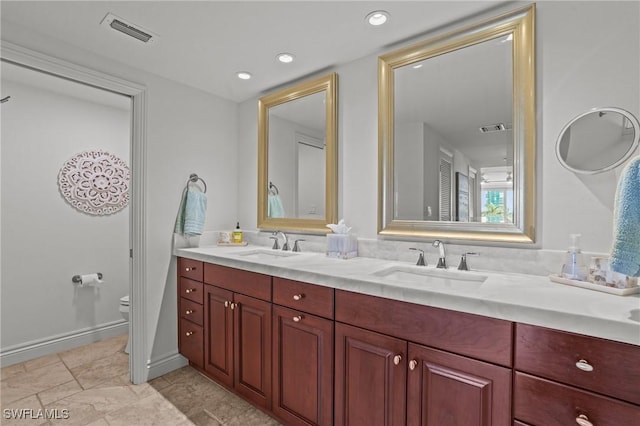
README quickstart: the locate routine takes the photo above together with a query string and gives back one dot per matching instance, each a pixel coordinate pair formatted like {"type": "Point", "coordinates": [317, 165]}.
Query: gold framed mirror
{"type": "Point", "coordinates": [297, 157]}
{"type": "Point", "coordinates": [457, 134]}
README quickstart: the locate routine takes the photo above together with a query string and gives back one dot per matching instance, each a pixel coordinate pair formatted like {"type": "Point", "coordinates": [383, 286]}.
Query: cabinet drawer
{"type": "Point", "coordinates": [191, 311]}
{"type": "Point", "coordinates": [192, 342]}
{"type": "Point", "coordinates": [192, 269]}
{"type": "Point", "coordinates": [476, 336]}
{"type": "Point", "coordinates": [543, 402]}
{"type": "Point", "coordinates": [557, 355]}
{"type": "Point", "coordinates": [191, 290]}
{"type": "Point", "coordinates": [239, 281]}
{"type": "Point", "coordinates": [304, 297]}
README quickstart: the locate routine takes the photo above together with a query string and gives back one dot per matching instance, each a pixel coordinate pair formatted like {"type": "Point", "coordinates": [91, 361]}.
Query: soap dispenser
{"type": "Point", "coordinates": [574, 267]}
{"type": "Point", "coordinates": [237, 234]}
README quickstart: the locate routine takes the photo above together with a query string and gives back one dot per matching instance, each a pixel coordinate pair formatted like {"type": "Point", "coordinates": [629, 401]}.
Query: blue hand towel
{"type": "Point", "coordinates": [275, 207]}
{"type": "Point", "coordinates": [625, 253]}
{"type": "Point", "coordinates": [191, 213]}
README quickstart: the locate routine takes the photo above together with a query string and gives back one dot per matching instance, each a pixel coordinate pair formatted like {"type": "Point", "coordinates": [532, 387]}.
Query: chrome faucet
{"type": "Point", "coordinates": [442, 261]}
{"type": "Point", "coordinates": [463, 260]}
{"type": "Point", "coordinates": [421, 261]}
{"type": "Point", "coordinates": [296, 247]}
{"type": "Point", "coordinates": [285, 245]}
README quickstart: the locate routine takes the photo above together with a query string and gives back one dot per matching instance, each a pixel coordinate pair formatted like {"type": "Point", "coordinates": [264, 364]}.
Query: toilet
{"type": "Point", "coordinates": [124, 310]}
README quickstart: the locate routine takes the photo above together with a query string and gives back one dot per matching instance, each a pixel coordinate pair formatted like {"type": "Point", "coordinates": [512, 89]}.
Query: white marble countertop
{"type": "Point", "coordinates": [515, 297]}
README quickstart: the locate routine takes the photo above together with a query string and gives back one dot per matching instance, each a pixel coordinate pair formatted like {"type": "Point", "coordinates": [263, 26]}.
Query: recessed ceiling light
{"type": "Point", "coordinates": [285, 58]}
{"type": "Point", "coordinates": [377, 17]}
{"type": "Point", "coordinates": [243, 75]}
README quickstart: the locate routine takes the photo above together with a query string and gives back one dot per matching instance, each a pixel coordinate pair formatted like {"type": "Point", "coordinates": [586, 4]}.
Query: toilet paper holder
{"type": "Point", "coordinates": [78, 278]}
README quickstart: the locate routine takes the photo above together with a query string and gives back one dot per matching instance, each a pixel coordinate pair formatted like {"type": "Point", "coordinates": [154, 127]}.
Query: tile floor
{"type": "Point", "coordinates": [90, 386]}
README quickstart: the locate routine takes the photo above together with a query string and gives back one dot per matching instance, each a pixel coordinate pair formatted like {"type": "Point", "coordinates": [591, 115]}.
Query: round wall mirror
{"type": "Point", "coordinates": [598, 140]}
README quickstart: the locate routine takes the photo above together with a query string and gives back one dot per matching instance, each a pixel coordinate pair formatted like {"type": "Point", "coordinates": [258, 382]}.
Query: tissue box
{"type": "Point", "coordinates": [343, 246]}
{"type": "Point", "coordinates": [599, 273]}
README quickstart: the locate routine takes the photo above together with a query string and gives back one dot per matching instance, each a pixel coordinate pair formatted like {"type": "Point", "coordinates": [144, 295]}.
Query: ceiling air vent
{"type": "Point", "coordinates": [499, 127]}
{"type": "Point", "coordinates": [125, 27]}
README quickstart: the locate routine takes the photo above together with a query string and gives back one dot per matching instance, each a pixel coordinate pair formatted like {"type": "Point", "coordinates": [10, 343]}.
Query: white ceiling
{"type": "Point", "coordinates": [204, 43]}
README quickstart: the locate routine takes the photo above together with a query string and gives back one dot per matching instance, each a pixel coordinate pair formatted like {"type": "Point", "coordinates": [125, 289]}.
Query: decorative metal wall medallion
{"type": "Point", "coordinates": [95, 182]}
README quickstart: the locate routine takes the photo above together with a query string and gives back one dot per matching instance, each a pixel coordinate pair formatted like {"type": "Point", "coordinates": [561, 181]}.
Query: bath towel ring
{"type": "Point", "coordinates": [195, 178]}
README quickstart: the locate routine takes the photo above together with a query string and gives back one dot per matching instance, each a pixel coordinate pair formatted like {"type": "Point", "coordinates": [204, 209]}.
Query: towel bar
{"type": "Point", "coordinates": [195, 178]}
{"type": "Point", "coordinates": [273, 189]}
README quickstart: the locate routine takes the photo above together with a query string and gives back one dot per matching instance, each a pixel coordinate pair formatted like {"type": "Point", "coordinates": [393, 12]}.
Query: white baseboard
{"type": "Point", "coordinates": [162, 366]}
{"type": "Point", "coordinates": [62, 342]}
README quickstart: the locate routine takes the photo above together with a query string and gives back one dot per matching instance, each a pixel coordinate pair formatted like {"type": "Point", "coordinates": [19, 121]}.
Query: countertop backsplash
{"type": "Point", "coordinates": [498, 259]}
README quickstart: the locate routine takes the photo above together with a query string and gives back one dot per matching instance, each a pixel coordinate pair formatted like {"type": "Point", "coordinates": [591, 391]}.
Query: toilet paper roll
{"type": "Point", "coordinates": [89, 279]}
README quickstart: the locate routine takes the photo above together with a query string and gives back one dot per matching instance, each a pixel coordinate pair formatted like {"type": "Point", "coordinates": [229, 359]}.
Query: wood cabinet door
{"type": "Point", "coordinates": [448, 389]}
{"type": "Point", "coordinates": [218, 329]}
{"type": "Point", "coordinates": [302, 368]}
{"type": "Point", "coordinates": [370, 378]}
{"type": "Point", "coordinates": [252, 345]}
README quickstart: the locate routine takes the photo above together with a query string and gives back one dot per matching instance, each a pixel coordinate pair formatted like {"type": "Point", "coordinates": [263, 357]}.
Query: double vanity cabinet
{"type": "Point", "coordinates": [314, 355]}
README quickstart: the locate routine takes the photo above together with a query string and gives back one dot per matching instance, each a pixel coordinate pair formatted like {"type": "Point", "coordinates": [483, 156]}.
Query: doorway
{"type": "Point", "coordinates": [89, 307]}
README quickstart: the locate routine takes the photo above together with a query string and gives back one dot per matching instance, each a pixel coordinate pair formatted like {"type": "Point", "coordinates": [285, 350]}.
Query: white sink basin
{"type": "Point", "coordinates": [267, 254]}
{"type": "Point", "coordinates": [401, 274]}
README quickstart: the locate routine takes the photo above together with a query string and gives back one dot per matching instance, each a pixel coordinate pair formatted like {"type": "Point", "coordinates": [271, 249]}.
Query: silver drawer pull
{"type": "Point", "coordinates": [298, 296]}
{"type": "Point", "coordinates": [188, 312]}
{"type": "Point", "coordinates": [193, 268]}
{"type": "Point", "coordinates": [226, 303]}
{"type": "Point", "coordinates": [397, 359]}
{"type": "Point", "coordinates": [583, 420]}
{"type": "Point", "coordinates": [413, 364]}
{"type": "Point", "coordinates": [190, 290]}
{"type": "Point", "coordinates": [584, 365]}
{"type": "Point", "coordinates": [297, 318]}
{"type": "Point", "coordinates": [188, 333]}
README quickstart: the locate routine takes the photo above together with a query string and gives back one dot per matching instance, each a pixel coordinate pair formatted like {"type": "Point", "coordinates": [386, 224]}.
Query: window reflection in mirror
{"type": "Point", "coordinates": [457, 134]}
{"type": "Point", "coordinates": [470, 124]}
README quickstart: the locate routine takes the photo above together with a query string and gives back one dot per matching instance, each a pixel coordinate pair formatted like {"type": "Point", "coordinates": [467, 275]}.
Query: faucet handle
{"type": "Point", "coordinates": [296, 247]}
{"type": "Point", "coordinates": [463, 260]}
{"type": "Point", "coordinates": [421, 261]}
{"type": "Point", "coordinates": [276, 246]}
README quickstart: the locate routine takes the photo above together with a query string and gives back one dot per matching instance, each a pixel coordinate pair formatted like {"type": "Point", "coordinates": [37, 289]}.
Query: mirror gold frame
{"type": "Point", "coordinates": [329, 85]}
{"type": "Point", "coordinates": [520, 24]}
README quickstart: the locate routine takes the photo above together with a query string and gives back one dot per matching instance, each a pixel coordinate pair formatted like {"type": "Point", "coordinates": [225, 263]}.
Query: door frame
{"type": "Point", "coordinates": [137, 242]}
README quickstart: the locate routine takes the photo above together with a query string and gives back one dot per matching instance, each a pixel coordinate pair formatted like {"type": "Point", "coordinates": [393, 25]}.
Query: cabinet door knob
{"type": "Point", "coordinates": [397, 359]}
{"type": "Point", "coordinates": [190, 290]}
{"type": "Point", "coordinates": [226, 303]}
{"type": "Point", "coordinates": [583, 420]}
{"type": "Point", "coordinates": [188, 312]}
{"type": "Point", "coordinates": [584, 365]}
{"type": "Point", "coordinates": [297, 318]}
{"type": "Point", "coordinates": [193, 268]}
{"type": "Point", "coordinates": [413, 364]}
{"type": "Point", "coordinates": [233, 306]}
{"type": "Point", "coordinates": [188, 333]}
{"type": "Point", "coordinates": [298, 296]}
